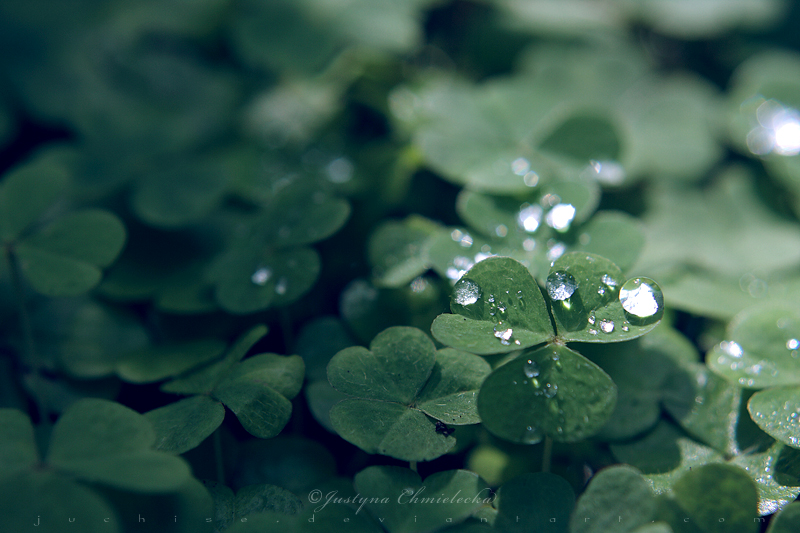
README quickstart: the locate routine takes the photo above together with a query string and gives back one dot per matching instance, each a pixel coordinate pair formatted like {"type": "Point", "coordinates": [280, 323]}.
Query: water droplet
{"type": "Point", "coordinates": [560, 216]}
{"type": "Point", "coordinates": [591, 320]}
{"type": "Point", "coordinates": [561, 285]}
{"type": "Point", "coordinates": [461, 237]}
{"type": "Point", "coordinates": [531, 179]}
{"type": "Point", "coordinates": [607, 326]}
{"type": "Point", "coordinates": [792, 344]}
{"type": "Point", "coordinates": [532, 435]}
{"type": "Point", "coordinates": [601, 291]}
{"type": "Point", "coordinates": [550, 390]}
{"type": "Point", "coordinates": [503, 333]}
{"type": "Point", "coordinates": [732, 349]}
{"type": "Point", "coordinates": [281, 286]}
{"type": "Point", "coordinates": [531, 369]}
{"type": "Point", "coordinates": [501, 230]}
{"type": "Point", "coordinates": [642, 301]}
{"type": "Point", "coordinates": [261, 276]}
{"type": "Point", "coordinates": [467, 292]}
{"type": "Point", "coordinates": [608, 281]}
{"type": "Point", "coordinates": [592, 331]}
{"type": "Point", "coordinates": [529, 217]}
{"type": "Point", "coordinates": [535, 383]}
{"type": "Point", "coordinates": [625, 327]}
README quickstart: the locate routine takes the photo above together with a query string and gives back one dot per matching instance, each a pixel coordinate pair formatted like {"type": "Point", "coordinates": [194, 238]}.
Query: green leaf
{"type": "Point", "coordinates": [281, 373]}
{"type": "Point", "coordinates": [718, 491]}
{"type": "Point", "coordinates": [318, 342]}
{"type": "Point", "coordinates": [51, 501]}
{"type": "Point", "coordinates": [776, 473]}
{"type": "Point", "coordinates": [183, 425]}
{"type": "Point", "coordinates": [497, 308]}
{"type": "Point", "coordinates": [406, 509]}
{"type": "Point", "coordinates": [181, 192]}
{"type": "Point", "coordinates": [249, 279]}
{"type": "Point", "coordinates": [787, 521]}
{"type": "Point", "coordinates": [671, 124]}
{"type": "Point", "coordinates": [451, 392]}
{"type": "Point", "coordinates": [158, 362]}
{"type": "Point", "coordinates": [85, 337]}
{"type": "Point", "coordinates": [614, 235]}
{"type": "Point", "coordinates": [552, 391]}
{"type": "Point", "coordinates": [396, 250]}
{"type": "Point", "coordinates": [389, 428]}
{"type": "Point", "coordinates": [25, 192]}
{"type": "Point", "coordinates": [647, 373]}
{"type": "Point", "coordinates": [534, 502]}
{"type": "Point", "coordinates": [584, 137]}
{"type": "Point", "coordinates": [591, 303]}
{"type": "Point", "coordinates": [104, 442]}
{"type": "Point", "coordinates": [94, 428]}
{"type": "Point", "coordinates": [394, 369]}
{"type": "Point", "coordinates": [397, 382]}
{"type": "Point", "coordinates": [614, 493]}
{"type": "Point", "coordinates": [17, 443]}
{"type": "Point", "coordinates": [762, 347]}
{"type": "Point", "coordinates": [64, 258]}
{"type": "Point", "coordinates": [664, 454]}
{"type": "Point", "coordinates": [203, 381]}
{"type": "Point", "coordinates": [776, 411]}
{"type": "Point", "coordinates": [262, 411]}
{"type": "Point", "coordinates": [321, 398]}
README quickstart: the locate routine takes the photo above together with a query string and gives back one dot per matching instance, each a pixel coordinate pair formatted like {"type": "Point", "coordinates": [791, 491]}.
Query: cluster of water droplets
{"type": "Point", "coordinates": [263, 274]}
{"type": "Point", "coordinates": [498, 309]}
{"type": "Point", "coordinates": [544, 387]}
{"type": "Point", "coordinates": [461, 263]}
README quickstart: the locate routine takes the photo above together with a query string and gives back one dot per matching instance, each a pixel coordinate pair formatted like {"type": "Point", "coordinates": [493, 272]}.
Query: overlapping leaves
{"type": "Point", "coordinates": [403, 393]}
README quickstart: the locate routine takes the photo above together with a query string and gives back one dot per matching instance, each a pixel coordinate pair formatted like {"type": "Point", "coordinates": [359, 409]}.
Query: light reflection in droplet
{"type": "Point", "coordinates": [529, 217]}
{"type": "Point", "coordinates": [520, 166]}
{"type": "Point", "coordinates": [467, 292]}
{"type": "Point", "coordinates": [560, 216]}
{"type": "Point", "coordinates": [261, 276]}
{"type": "Point", "coordinates": [419, 284]}
{"type": "Point", "coordinates": [340, 170]}
{"type": "Point", "coordinates": [555, 250]}
{"type": "Point", "coordinates": [731, 348]}
{"type": "Point", "coordinates": [778, 130]}
{"type": "Point", "coordinates": [606, 172]}
{"type": "Point", "coordinates": [529, 244]}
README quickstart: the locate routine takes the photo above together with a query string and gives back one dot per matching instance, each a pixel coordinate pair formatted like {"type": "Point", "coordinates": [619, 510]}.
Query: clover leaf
{"type": "Point", "coordinates": [617, 500]}
{"type": "Point", "coordinates": [552, 391]}
{"type": "Point", "coordinates": [761, 351]}
{"type": "Point", "coordinates": [497, 307]}
{"type": "Point", "coordinates": [399, 388]}
{"type": "Point", "coordinates": [64, 257]}
{"type": "Point", "coordinates": [249, 500]}
{"type": "Point", "coordinates": [257, 390]}
{"type": "Point", "coordinates": [95, 442]}
{"type": "Point", "coordinates": [267, 262]}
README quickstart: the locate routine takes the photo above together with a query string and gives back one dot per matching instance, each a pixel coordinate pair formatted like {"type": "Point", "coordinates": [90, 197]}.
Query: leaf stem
{"type": "Point", "coordinates": [218, 456]}
{"type": "Point", "coordinates": [29, 353]}
{"type": "Point", "coordinates": [547, 454]}
{"type": "Point", "coordinates": [28, 357]}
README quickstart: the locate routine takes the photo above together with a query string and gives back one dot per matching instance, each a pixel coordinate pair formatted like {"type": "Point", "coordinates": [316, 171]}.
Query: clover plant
{"type": "Point", "coordinates": [455, 266]}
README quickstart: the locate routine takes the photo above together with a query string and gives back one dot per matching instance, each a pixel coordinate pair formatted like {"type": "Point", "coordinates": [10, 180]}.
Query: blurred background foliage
{"type": "Point", "coordinates": [176, 172]}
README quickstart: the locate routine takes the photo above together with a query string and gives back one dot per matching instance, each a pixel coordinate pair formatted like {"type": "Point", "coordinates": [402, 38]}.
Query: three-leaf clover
{"type": "Point", "coordinates": [498, 308]}
{"type": "Point", "coordinates": [400, 387]}
{"type": "Point", "coordinates": [257, 390]}
{"type": "Point", "coordinates": [95, 442]}
{"type": "Point", "coordinates": [66, 255]}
